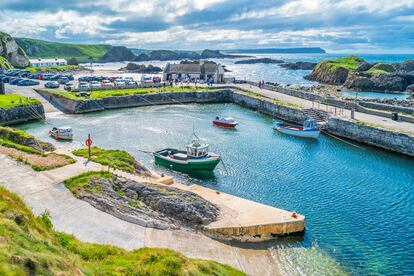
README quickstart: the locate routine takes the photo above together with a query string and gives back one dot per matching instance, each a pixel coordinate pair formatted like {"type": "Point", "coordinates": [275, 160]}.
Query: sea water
{"type": "Point", "coordinates": [358, 200]}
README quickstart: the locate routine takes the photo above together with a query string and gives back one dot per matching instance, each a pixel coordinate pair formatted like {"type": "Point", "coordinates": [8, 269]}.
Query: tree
{"type": "Point", "coordinates": [73, 61]}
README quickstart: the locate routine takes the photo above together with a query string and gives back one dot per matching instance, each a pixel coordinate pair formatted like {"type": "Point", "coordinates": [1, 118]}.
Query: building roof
{"type": "Point", "coordinates": [46, 60]}
{"type": "Point", "coordinates": [197, 68]}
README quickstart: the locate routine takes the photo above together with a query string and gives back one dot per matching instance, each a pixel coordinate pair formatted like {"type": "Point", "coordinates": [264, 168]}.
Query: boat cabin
{"type": "Point", "coordinates": [310, 124]}
{"type": "Point", "coordinates": [197, 150]}
{"type": "Point", "coordinates": [63, 130]}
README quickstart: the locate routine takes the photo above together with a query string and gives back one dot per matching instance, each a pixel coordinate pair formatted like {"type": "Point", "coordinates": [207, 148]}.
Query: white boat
{"type": "Point", "coordinates": [308, 130]}
{"type": "Point", "coordinates": [61, 133]}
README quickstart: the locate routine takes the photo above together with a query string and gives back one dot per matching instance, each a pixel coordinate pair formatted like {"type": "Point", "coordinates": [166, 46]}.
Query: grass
{"type": "Point", "coordinates": [377, 71]}
{"type": "Point", "coordinates": [100, 94]}
{"type": "Point", "coordinates": [30, 246]}
{"type": "Point", "coordinates": [18, 139]}
{"type": "Point", "coordinates": [65, 68]}
{"type": "Point", "coordinates": [4, 63]}
{"type": "Point", "coordinates": [12, 100]}
{"type": "Point", "coordinates": [48, 49]}
{"type": "Point", "coordinates": [116, 159]}
{"type": "Point", "coordinates": [351, 63]}
{"type": "Point", "coordinates": [81, 182]}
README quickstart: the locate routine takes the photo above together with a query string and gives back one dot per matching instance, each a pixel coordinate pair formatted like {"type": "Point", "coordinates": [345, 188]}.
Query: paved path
{"type": "Point", "coordinates": [346, 114]}
{"type": "Point", "coordinates": [44, 191]}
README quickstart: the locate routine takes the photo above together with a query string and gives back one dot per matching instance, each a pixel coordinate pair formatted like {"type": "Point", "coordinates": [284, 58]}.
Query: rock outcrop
{"type": "Point", "coordinates": [147, 204]}
{"type": "Point", "coordinates": [353, 72]}
{"type": "Point", "coordinates": [327, 73]}
{"type": "Point", "coordinates": [118, 53]}
{"type": "Point", "coordinates": [410, 88]}
{"type": "Point", "coordinates": [259, 60]}
{"type": "Point", "coordinates": [141, 68]}
{"type": "Point", "coordinates": [12, 52]}
{"type": "Point", "coordinates": [25, 139]}
{"type": "Point", "coordinates": [300, 65]}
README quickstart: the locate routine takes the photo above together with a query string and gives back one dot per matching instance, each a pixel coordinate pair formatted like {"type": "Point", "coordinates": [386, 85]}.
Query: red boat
{"type": "Point", "coordinates": [225, 122]}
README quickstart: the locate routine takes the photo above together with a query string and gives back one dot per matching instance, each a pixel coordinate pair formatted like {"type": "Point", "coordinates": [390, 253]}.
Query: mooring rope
{"type": "Point", "coordinates": [342, 140]}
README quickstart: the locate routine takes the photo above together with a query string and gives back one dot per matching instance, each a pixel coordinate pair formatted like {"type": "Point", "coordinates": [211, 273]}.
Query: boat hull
{"type": "Point", "coordinates": [60, 137]}
{"type": "Point", "coordinates": [223, 124]}
{"type": "Point", "coordinates": [187, 166]}
{"type": "Point", "coordinates": [299, 133]}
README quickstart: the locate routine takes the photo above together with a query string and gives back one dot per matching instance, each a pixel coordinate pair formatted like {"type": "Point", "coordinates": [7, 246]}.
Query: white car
{"type": "Point", "coordinates": [119, 83]}
{"type": "Point", "coordinates": [128, 79]}
{"type": "Point", "coordinates": [95, 84]}
{"type": "Point", "coordinates": [83, 85]}
{"type": "Point", "coordinates": [107, 83]}
{"type": "Point", "coordinates": [131, 83]}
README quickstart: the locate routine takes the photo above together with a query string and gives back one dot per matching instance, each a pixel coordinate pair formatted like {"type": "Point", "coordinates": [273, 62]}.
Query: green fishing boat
{"type": "Point", "coordinates": [197, 158]}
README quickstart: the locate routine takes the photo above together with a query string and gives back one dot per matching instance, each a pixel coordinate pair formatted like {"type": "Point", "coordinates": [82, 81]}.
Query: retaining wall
{"type": "Point", "coordinates": [21, 114]}
{"type": "Point", "coordinates": [387, 107]}
{"type": "Point", "coordinates": [383, 138]}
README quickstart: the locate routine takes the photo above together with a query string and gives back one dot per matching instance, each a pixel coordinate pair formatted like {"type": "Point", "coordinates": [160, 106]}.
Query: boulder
{"type": "Point", "coordinates": [12, 52]}
{"type": "Point", "coordinates": [326, 72]}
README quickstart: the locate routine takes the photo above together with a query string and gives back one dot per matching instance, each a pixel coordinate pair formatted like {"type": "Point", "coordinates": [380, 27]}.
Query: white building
{"type": "Point", "coordinates": [201, 71]}
{"type": "Point", "coordinates": [47, 62]}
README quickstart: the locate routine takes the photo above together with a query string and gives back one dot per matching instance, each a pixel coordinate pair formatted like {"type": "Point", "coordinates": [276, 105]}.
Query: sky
{"type": "Point", "coordinates": [337, 26]}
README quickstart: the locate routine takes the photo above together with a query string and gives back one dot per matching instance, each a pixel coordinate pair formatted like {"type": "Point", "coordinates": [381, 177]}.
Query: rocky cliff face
{"type": "Point", "coordinates": [325, 72]}
{"type": "Point", "coordinates": [12, 52]}
{"type": "Point", "coordinates": [355, 73]}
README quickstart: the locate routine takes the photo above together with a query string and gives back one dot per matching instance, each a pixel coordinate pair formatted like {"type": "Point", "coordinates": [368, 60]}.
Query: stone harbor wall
{"type": "Point", "coordinates": [387, 107]}
{"type": "Point", "coordinates": [21, 114]}
{"type": "Point", "coordinates": [387, 139]}
{"type": "Point", "coordinates": [85, 106]}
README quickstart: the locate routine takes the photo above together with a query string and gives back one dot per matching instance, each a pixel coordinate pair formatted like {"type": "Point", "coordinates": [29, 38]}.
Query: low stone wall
{"type": "Point", "coordinates": [267, 106]}
{"type": "Point", "coordinates": [85, 106]}
{"type": "Point", "coordinates": [21, 114]}
{"type": "Point", "coordinates": [387, 107]}
{"type": "Point", "coordinates": [387, 139]}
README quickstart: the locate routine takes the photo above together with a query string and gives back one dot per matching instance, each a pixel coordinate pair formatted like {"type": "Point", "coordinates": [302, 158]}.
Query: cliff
{"type": "Point", "coordinates": [11, 52]}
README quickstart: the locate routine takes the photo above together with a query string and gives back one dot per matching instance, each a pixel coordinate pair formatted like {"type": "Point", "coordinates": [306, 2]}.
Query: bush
{"type": "Point", "coordinates": [73, 61]}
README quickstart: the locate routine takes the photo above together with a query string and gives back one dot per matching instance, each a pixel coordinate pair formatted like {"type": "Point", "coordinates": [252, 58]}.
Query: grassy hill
{"type": "Point", "coordinates": [35, 48]}
{"type": "Point", "coordinates": [30, 246]}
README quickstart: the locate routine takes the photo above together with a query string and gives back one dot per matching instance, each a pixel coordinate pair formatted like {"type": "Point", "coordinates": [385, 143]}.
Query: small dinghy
{"type": "Point", "coordinates": [225, 122]}
{"type": "Point", "coordinates": [308, 130]}
{"type": "Point", "coordinates": [61, 133]}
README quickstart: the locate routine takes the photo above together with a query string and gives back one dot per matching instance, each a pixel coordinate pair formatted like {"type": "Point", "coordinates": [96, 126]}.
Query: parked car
{"type": "Point", "coordinates": [24, 74]}
{"type": "Point", "coordinates": [70, 77]}
{"type": "Point", "coordinates": [14, 81]}
{"type": "Point", "coordinates": [119, 82]}
{"type": "Point", "coordinates": [128, 79]}
{"type": "Point", "coordinates": [83, 85]}
{"type": "Point", "coordinates": [69, 86]}
{"type": "Point", "coordinates": [49, 76]}
{"type": "Point", "coordinates": [5, 79]}
{"type": "Point", "coordinates": [52, 84]}
{"type": "Point", "coordinates": [27, 83]}
{"type": "Point", "coordinates": [12, 73]}
{"type": "Point", "coordinates": [63, 80]}
{"type": "Point", "coordinates": [131, 83]}
{"type": "Point", "coordinates": [39, 76]}
{"type": "Point", "coordinates": [94, 84]}
{"type": "Point", "coordinates": [107, 83]}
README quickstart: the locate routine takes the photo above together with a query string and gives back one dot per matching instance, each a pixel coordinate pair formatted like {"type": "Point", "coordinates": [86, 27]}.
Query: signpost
{"type": "Point", "coordinates": [88, 143]}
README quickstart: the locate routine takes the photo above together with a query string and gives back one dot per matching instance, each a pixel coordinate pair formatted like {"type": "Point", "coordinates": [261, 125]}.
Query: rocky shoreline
{"type": "Point", "coordinates": [147, 204]}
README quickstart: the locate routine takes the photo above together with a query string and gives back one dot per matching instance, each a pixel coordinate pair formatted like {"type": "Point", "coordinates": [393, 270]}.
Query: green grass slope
{"type": "Point", "coordinates": [30, 246]}
{"type": "Point", "coordinates": [35, 48]}
{"type": "Point", "coordinates": [4, 63]}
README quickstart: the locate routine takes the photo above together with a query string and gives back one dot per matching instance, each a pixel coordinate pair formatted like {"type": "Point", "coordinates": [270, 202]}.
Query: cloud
{"type": "Point", "coordinates": [197, 24]}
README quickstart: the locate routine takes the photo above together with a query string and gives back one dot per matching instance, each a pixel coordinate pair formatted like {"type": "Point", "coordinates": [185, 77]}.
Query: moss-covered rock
{"type": "Point", "coordinates": [381, 68]}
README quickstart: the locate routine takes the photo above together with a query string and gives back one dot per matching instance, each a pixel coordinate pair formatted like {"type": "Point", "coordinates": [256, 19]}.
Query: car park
{"type": "Point", "coordinates": [27, 83]}
{"type": "Point", "coordinates": [49, 77]}
{"type": "Point", "coordinates": [131, 83]}
{"type": "Point", "coordinates": [5, 79]}
{"type": "Point", "coordinates": [52, 84]}
{"type": "Point", "coordinates": [24, 74]}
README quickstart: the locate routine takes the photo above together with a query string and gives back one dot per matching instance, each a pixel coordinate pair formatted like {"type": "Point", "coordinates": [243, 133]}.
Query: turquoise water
{"type": "Point", "coordinates": [359, 203]}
